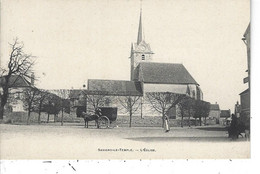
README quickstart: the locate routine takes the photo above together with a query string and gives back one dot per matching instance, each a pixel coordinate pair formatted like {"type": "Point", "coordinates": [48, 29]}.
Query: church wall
{"type": "Point", "coordinates": [175, 88]}
{"type": "Point", "coordinates": [138, 58]}
{"type": "Point", "coordinates": [193, 91]}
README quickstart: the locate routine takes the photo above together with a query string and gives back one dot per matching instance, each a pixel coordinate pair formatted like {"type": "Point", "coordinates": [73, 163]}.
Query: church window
{"type": "Point", "coordinates": [193, 94]}
{"type": "Point", "coordinates": [143, 57]}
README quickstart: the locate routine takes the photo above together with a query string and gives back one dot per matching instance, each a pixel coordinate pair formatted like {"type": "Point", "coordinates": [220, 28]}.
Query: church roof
{"type": "Point", "coordinates": [115, 87]}
{"type": "Point", "coordinates": [163, 73]}
{"type": "Point", "coordinates": [140, 30]}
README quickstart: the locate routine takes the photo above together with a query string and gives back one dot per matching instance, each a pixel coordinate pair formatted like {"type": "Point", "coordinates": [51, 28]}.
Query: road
{"type": "Point", "coordinates": [73, 141]}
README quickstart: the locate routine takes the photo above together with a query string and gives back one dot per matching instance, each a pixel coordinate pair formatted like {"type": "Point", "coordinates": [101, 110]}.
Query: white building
{"type": "Point", "coordinates": [16, 92]}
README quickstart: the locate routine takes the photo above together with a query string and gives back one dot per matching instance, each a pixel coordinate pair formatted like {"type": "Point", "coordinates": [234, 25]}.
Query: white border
{"type": "Point", "coordinates": [167, 166]}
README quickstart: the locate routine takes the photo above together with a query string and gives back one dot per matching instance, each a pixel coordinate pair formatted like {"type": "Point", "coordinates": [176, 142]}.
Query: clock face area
{"type": "Point", "coordinates": [142, 47]}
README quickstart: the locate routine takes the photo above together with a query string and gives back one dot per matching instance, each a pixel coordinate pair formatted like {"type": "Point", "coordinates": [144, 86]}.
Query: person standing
{"type": "Point", "coordinates": [166, 124]}
{"type": "Point", "coordinates": [233, 129]}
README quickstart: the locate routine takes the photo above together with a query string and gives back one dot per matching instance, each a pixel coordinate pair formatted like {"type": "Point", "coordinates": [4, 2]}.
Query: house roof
{"type": "Point", "coordinates": [74, 93]}
{"type": "Point", "coordinates": [16, 81]}
{"type": "Point", "coordinates": [247, 30]}
{"type": "Point", "coordinates": [214, 107]}
{"type": "Point", "coordinates": [225, 113]}
{"type": "Point", "coordinates": [163, 73]}
{"type": "Point", "coordinates": [245, 91]}
{"type": "Point", "coordinates": [115, 87]}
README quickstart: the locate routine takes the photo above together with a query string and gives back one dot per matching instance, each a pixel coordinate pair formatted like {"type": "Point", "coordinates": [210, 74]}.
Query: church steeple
{"type": "Point", "coordinates": [140, 51]}
{"type": "Point", "coordinates": [140, 29]}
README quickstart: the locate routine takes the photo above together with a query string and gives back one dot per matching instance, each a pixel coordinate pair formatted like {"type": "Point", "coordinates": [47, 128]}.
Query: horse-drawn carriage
{"type": "Point", "coordinates": [103, 117]}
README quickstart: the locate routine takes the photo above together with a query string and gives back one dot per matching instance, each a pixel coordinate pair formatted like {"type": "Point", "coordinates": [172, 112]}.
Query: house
{"type": "Point", "coordinates": [245, 103]}
{"type": "Point", "coordinates": [245, 95]}
{"type": "Point", "coordinates": [214, 112]}
{"type": "Point", "coordinates": [77, 99]}
{"type": "Point", "coordinates": [17, 85]}
{"type": "Point", "coordinates": [224, 116]}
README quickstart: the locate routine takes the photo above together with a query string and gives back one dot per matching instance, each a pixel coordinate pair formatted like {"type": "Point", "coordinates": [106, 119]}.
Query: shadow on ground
{"type": "Point", "coordinates": [213, 128]}
{"type": "Point", "coordinates": [185, 139]}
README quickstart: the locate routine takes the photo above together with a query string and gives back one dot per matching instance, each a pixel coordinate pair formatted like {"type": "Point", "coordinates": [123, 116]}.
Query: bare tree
{"type": "Point", "coordinates": [163, 101]}
{"type": "Point", "coordinates": [131, 104]}
{"type": "Point", "coordinates": [64, 95]}
{"type": "Point", "coordinates": [94, 101]}
{"type": "Point", "coordinates": [19, 64]}
{"type": "Point", "coordinates": [30, 101]}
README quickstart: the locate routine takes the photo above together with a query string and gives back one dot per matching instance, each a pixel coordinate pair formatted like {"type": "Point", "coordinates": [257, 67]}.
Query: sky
{"type": "Point", "coordinates": [77, 40]}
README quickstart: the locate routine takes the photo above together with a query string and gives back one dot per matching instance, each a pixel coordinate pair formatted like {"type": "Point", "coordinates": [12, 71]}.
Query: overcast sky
{"type": "Point", "coordinates": [76, 40]}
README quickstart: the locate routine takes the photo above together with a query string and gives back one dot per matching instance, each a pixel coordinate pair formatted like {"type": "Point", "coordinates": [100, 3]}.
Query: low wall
{"type": "Point", "coordinates": [21, 117]}
{"type": "Point", "coordinates": [122, 120]}
{"type": "Point", "coordinates": [152, 121]}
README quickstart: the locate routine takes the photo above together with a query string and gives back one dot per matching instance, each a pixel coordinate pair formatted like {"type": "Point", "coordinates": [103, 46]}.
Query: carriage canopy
{"type": "Point", "coordinates": [110, 112]}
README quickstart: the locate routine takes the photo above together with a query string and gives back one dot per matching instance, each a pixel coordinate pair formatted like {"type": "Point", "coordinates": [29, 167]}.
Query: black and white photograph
{"type": "Point", "coordinates": [121, 79]}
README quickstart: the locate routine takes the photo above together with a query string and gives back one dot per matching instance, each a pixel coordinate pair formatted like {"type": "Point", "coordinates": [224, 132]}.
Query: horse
{"type": "Point", "coordinates": [237, 127]}
{"type": "Point", "coordinates": [94, 117]}
{"type": "Point", "coordinates": [243, 127]}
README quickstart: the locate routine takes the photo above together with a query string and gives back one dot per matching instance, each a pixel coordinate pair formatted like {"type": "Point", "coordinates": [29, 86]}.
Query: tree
{"type": "Point", "coordinates": [41, 100]}
{"type": "Point", "coordinates": [186, 108]}
{"type": "Point", "coordinates": [130, 104]}
{"type": "Point", "coordinates": [94, 101]}
{"type": "Point", "coordinates": [163, 101]}
{"type": "Point", "coordinates": [205, 110]}
{"type": "Point", "coordinates": [53, 106]}
{"type": "Point", "coordinates": [30, 101]}
{"type": "Point", "coordinates": [198, 111]}
{"type": "Point", "coordinates": [65, 104]}
{"type": "Point", "coordinates": [19, 64]}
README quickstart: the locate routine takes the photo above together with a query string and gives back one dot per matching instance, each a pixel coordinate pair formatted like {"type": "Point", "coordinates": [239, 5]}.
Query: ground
{"type": "Point", "coordinates": [73, 141]}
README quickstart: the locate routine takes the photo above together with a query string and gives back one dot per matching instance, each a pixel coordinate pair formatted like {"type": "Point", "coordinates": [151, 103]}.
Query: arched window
{"type": "Point", "coordinates": [143, 57]}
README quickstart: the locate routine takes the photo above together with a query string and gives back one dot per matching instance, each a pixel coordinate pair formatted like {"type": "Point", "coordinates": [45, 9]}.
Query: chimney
{"type": "Point", "coordinates": [32, 79]}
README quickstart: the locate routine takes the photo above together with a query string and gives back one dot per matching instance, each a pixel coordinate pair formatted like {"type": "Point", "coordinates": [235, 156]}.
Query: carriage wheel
{"type": "Point", "coordinates": [103, 122]}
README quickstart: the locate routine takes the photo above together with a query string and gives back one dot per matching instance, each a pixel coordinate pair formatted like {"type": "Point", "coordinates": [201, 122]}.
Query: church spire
{"type": "Point", "coordinates": [140, 29]}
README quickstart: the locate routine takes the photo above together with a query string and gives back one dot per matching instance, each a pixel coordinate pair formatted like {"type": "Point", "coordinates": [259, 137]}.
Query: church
{"type": "Point", "coordinates": [148, 76]}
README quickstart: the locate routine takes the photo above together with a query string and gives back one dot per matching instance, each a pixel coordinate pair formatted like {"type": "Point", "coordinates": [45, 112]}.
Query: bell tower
{"type": "Point", "coordinates": [140, 51]}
